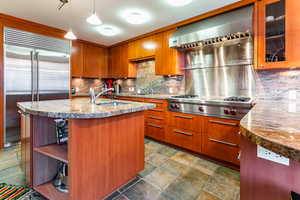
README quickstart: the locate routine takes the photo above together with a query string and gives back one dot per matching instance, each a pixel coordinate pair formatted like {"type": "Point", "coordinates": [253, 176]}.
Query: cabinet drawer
{"type": "Point", "coordinates": [156, 112]}
{"type": "Point", "coordinates": [160, 104]}
{"type": "Point", "coordinates": [155, 119]}
{"type": "Point", "coordinates": [156, 131]}
{"type": "Point", "coordinates": [185, 121]}
{"type": "Point", "coordinates": [221, 139]}
{"type": "Point", "coordinates": [221, 151]}
{"type": "Point", "coordinates": [184, 138]}
{"type": "Point", "coordinates": [226, 131]}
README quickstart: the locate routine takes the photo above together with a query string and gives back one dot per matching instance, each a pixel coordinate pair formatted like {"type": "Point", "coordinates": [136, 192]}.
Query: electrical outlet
{"type": "Point", "coordinates": [269, 155]}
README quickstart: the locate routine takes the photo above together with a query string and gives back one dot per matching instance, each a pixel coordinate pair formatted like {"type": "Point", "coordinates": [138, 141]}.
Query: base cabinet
{"type": "Point", "coordinates": [221, 139]}
{"type": "Point", "coordinates": [187, 139]}
{"type": "Point", "coordinates": [214, 137]}
{"type": "Point", "coordinates": [155, 130]}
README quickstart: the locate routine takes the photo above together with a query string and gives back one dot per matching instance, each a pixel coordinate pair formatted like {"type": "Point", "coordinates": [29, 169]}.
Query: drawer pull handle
{"type": "Point", "coordinates": [156, 110]}
{"type": "Point", "coordinates": [222, 142]}
{"type": "Point", "coordinates": [223, 123]}
{"type": "Point", "coordinates": [184, 133]}
{"type": "Point", "coordinates": [155, 126]}
{"type": "Point", "coordinates": [152, 117]}
{"type": "Point", "coordinates": [184, 117]}
{"type": "Point", "coordinates": [239, 155]}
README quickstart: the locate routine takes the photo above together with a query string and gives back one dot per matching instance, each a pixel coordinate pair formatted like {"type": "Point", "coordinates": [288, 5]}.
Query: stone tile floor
{"type": "Point", "coordinates": [169, 174]}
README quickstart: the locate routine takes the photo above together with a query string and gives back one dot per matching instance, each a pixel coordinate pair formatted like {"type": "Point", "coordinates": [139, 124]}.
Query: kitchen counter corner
{"type": "Point", "coordinates": [275, 126]}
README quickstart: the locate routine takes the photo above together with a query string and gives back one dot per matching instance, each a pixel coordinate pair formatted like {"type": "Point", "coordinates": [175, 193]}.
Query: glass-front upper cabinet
{"type": "Point", "coordinates": [278, 25]}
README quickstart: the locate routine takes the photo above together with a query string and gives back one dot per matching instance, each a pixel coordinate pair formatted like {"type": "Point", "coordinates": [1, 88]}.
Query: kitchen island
{"type": "Point", "coordinates": [105, 148]}
{"type": "Point", "coordinates": [274, 125]}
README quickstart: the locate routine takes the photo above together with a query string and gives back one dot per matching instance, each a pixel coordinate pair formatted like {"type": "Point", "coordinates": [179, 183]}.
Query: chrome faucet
{"type": "Point", "coordinates": [94, 97]}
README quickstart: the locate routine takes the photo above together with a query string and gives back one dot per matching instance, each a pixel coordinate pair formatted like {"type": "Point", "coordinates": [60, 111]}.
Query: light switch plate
{"type": "Point", "coordinates": [269, 155]}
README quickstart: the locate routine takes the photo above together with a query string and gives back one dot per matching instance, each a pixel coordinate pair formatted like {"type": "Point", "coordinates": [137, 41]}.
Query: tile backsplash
{"type": "Point", "coordinates": [271, 84]}
{"type": "Point", "coordinates": [82, 86]}
{"type": "Point", "coordinates": [278, 84]}
{"type": "Point", "coordinates": [147, 82]}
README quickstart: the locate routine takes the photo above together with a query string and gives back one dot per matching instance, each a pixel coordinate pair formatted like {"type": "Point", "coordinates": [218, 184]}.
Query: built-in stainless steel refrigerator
{"type": "Point", "coordinates": [36, 68]}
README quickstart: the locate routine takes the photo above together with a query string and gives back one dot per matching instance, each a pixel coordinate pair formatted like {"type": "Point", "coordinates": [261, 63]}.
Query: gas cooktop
{"type": "Point", "coordinates": [229, 107]}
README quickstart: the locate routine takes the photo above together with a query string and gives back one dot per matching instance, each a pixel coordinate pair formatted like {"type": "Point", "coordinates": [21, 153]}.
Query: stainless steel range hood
{"type": "Point", "coordinates": [218, 28]}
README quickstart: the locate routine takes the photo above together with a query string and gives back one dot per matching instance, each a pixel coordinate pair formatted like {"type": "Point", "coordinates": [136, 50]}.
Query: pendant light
{"type": "Point", "coordinates": [94, 19]}
{"type": "Point", "coordinates": [70, 35]}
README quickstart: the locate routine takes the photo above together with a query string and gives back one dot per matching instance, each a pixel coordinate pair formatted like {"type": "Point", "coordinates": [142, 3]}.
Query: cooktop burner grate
{"type": "Point", "coordinates": [238, 99]}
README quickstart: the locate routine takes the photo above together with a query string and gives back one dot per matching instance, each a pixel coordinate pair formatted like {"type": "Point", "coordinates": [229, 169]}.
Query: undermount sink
{"type": "Point", "coordinates": [109, 104]}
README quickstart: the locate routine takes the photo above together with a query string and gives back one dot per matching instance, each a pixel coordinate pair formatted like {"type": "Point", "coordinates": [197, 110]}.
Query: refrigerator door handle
{"type": "Point", "coordinates": [32, 75]}
{"type": "Point", "coordinates": [38, 75]}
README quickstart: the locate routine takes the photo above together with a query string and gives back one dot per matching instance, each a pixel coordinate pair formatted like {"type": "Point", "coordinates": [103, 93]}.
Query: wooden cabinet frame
{"type": "Point", "coordinates": [292, 43]}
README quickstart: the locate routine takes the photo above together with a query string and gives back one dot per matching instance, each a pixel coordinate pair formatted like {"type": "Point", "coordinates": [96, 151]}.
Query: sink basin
{"type": "Point", "coordinates": [109, 104]}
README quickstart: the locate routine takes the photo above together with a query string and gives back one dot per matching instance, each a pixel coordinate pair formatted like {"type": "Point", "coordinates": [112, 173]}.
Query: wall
{"type": "Point", "coordinates": [147, 82]}
{"type": "Point", "coordinates": [278, 85]}
{"type": "Point", "coordinates": [82, 86]}
{"type": "Point", "coordinates": [271, 84]}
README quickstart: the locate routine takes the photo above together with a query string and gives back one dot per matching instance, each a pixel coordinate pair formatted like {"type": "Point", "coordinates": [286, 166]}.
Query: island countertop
{"type": "Point", "coordinates": [275, 125]}
{"type": "Point", "coordinates": [81, 108]}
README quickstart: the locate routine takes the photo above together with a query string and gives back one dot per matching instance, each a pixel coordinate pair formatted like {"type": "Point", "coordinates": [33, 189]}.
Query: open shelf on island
{"type": "Point", "coordinates": [50, 192]}
{"type": "Point", "coordinates": [56, 151]}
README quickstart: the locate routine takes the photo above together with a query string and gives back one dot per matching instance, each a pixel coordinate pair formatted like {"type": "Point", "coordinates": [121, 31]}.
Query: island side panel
{"type": "Point", "coordinates": [262, 179]}
{"type": "Point", "coordinates": [104, 154]}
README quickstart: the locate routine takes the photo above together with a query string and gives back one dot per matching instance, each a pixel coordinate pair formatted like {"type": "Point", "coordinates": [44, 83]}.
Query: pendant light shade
{"type": "Point", "coordinates": [70, 35]}
{"type": "Point", "coordinates": [94, 19]}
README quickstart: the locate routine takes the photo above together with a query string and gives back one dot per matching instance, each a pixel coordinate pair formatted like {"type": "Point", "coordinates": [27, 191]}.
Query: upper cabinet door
{"type": "Point", "coordinates": [142, 48]}
{"type": "Point", "coordinates": [119, 66]}
{"type": "Point", "coordinates": [168, 61]}
{"type": "Point", "coordinates": [278, 25]}
{"type": "Point", "coordinates": [77, 59]}
{"type": "Point", "coordinates": [95, 61]}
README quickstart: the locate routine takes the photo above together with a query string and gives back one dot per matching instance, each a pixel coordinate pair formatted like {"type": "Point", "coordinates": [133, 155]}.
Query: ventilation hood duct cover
{"type": "Point", "coordinates": [220, 25]}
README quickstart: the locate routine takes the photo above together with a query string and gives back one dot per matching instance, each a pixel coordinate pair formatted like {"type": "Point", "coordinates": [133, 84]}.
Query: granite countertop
{"type": "Point", "coordinates": [147, 96]}
{"type": "Point", "coordinates": [275, 126]}
{"type": "Point", "coordinates": [81, 108]}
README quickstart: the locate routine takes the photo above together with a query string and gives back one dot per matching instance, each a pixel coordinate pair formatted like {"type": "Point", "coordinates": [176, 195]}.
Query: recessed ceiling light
{"type": "Point", "coordinates": [108, 30]}
{"type": "Point", "coordinates": [135, 16]}
{"type": "Point", "coordinates": [178, 3]}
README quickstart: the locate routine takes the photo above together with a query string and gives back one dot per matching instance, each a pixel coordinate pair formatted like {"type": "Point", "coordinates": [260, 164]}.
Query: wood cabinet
{"type": "Point", "coordinates": [277, 34]}
{"type": "Point", "coordinates": [88, 60]}
{"type": "Point", "coordinates": [214, 137]}
{"type": "Point", "coordinates": [168, 61]}
{"type": "Point", "coordinates": [119, 66]}
{"type": "Point", "coordinates": [95, 61]}
{"type": "Point", "coordinates": [77, 59]}
{"type": "Point", "coordinates": [185, 131]}
{"type": "Point", "coordinates": [221, 139]}
{"type": "Point", "coordinates": [142, 48]}
{"type": "Point", "coordinates": [156, 119]}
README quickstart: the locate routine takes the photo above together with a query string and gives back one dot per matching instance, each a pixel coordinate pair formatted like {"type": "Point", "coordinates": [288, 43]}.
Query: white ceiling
{"type": "Point", "coordinates": [74, 15]}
